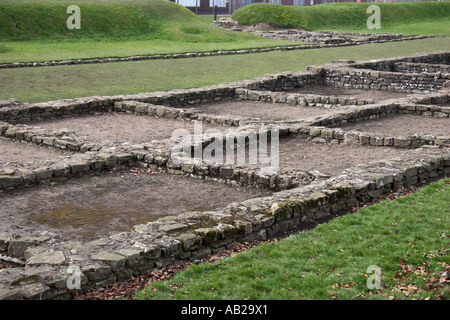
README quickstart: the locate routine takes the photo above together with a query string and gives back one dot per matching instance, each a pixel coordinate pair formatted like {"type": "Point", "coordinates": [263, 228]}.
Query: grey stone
{"type": "Point", "coordinates": [10, 181]}
{"type": "Point", "coordinates": [64, 280]}
{"type": "Point", "coordinates": [115, 261]}
{"type": "Point", "coordinates": [190, 241]}
{"type": "Point", "coordinates": [169, 246]}
{"type": "Point", "coordinates": [34, 291]}
{"type": "Point", "coordinates": [17, 247]}
{"type": "Point", "coordinates": [172, 227]}
{"type": "Point", "coordinates": [10, 294]}
{"type": "Point", "coordinates": [50, 257]}
{"type": "Point", "coordinates": [96, 271]}
{"type": "Point", "coordinates": [208, 235]}
{"type": "Point", "coordinates": [134, 257]}
{"type": "Point", "coordinates": [32, 251]}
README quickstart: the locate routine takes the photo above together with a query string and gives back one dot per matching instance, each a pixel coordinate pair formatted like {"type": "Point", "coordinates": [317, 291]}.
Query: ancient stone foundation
{"type": "Point", "coordinates": [44, 263]}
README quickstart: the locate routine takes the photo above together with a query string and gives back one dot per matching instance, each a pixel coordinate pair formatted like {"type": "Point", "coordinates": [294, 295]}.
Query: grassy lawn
{"type": "Point", "coordinates": [207, 18]}
{"type": "Point", "coordinates": [407, 238]}
{"type": "Point", "coordinates": [37, 51]}
{"type": "Point", "coordinates": [51, 83]}
{"type": "Point", "coordinates": [410, 18]}
{"type": "Point", "coordinates": [113, 28]}
{"type": "Point", "coordinates": [429, 27]}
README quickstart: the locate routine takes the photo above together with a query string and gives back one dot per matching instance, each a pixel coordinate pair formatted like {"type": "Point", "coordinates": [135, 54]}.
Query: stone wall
{"type": "Point", "coordinates": [421, 67]}
{"type": "Point", "coordinates": [286, 81]}
{"type": "Point", "coordinates": [195, 235]}
{"type": "Point", "coordinates": [42, 259]}
{"type": "Point", "coordinates": [302, 100]}
{"type": "Point", "coordinates": [388, 64]}
{"type": "Point", "coordinates": [384, 80]}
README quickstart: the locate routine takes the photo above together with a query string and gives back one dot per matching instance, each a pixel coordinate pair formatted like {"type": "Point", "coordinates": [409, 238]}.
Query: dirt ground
{"type": "Point", "coordinates": [329, 159]}
{"type": "Point", "coordinates": [326, 158]}
{"type": "Point", "coordinates": [92, 206]}
{"type": "Point", "coordinates": [266, 110]}
{"type": "Point", "coordinates": [121, 127]}
{"type": "Point", "coordinates": [403, 125]}
{"type": "Point", "coordinates": [11, 151]}
{"type": "Point", "coordinates": [341, 92]}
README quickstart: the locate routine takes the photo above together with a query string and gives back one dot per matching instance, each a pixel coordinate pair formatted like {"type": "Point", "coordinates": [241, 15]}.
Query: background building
{"type": "Point", "coordinates": [229, 6]}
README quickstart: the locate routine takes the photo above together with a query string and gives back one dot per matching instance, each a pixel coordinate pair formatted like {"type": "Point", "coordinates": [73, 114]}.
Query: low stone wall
{"type": "Point", "coordinates": [194, 235]}
{"type": "Point", "coordinates": [327, 135]}
{"type": "Point", "coordinates": [286, 81]}
{"type": "Point", "coordinates": [61, 139]}
{"type": "Point", "coordinates": [168, 56]}
{"type": "Point", "coordinates": [90, 105]}
{"type": "Point", "coordinates": [439, 99]}
{"type": "Point", "coordinates": [191, 114]}
{"type": "Point", "coordinates": [302, 100]}
{"type": "Point", "coordinates": [384, 80]}
{"type": "Point", "coordinates": [177, 98]}
{"type": "Point", "coordinates": [327, 129]}
{"type": "Point", "coordinates": [388, 64]}
{"type": "Point", "coordinates": [382, 110]}
{"type": "Point", "coordinates": [348, 40]}
{"type": "Point", "coordinates": [421, 67]}
{"type": "Point", "coordinates": [338, 75]}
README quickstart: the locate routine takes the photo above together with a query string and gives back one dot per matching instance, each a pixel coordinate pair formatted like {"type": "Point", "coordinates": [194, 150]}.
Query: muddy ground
{"type": "Point", "coordinates": [92, 206]}
{"type": "Point", "coordinates": [327, 158]}
{"type": "Point", "coordinates": [267, 110]}
{"type": "Point", "coordinates": [403, 125]}
{"type": "Point", "coordinates": [23, 152]}
{"type": "Point", "coordinates": [121, 127]}
{"type": "Point", "coordinates": [341, 92]}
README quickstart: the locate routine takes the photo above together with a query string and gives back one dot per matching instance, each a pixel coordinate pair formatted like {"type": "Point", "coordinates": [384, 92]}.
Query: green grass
{"type": "Point", "coordinates": [113, 19]}
{"type": "Point", "coordinates": [425, 27]}
{"type": "Point", "coordinates": [210, 18]}
{"type": "Point", "coordinates": [332, 260]}
{"type": "Point", "coordinates": [51, 83]}
{"type": "Point", "coordinates": [38, 51]}
{"type": "Point", "coordinates": [410, 18]}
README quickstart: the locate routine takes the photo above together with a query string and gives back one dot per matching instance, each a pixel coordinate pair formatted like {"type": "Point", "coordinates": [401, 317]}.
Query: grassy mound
{"type": "Point", "coordinates": [338, 15]}
{"type": "Point", "coordinates": [106, 19]}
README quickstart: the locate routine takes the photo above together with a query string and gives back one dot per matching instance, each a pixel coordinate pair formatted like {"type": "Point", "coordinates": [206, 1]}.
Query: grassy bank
{"type": "Point", "coordinates": [33, 31]}
{"type": "Point", "coordinates": [107, 19]}
{"type": "Point", "coordinates": [405, 238]}
{"type": "Point", "coordinates": [408, 17]}
{"type": "Point", "coordinates": [51, 83]}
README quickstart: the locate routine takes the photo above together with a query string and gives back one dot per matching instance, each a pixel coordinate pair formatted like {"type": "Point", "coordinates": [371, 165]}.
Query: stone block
{"type": "Point", "coordinates": [208, 235]}
{"type": "Point", "coordinates": [190, 241]}
{"type": "Point", "coordinates": [47, 258]}
{"type": "Point", "coordinates": [115, 261]}
{"type": "Point", "coordinates": [96, 271]}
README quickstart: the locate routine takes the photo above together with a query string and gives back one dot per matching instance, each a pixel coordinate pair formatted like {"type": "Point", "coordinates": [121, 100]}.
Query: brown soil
{"type": "Point", "coordinates": [329, 159]}
{"type": "Point", "coordinates": [14, 151]}
{"type": "Point", "coordinates": [121, 127]}
{"type": "Point", "coordinates": [326, 158]}
{"type": "Point", "coordinates": [350, 93]}
{"type": "Point", "coordinates": [266, 110]}
{"type": "Point", "coordinates": [403, 125]}
{"type": "Point", "coordinates": [92, 206]}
